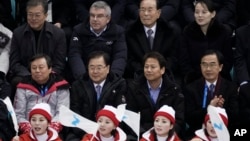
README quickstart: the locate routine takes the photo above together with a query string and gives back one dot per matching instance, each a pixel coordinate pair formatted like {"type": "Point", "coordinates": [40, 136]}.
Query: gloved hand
{"type": "Point", "coordinates": [57, 126]}
{"type": "Point", "coordinates": [25, 127]}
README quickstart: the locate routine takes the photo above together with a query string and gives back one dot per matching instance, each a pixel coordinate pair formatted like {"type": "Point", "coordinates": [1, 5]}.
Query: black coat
{"type": "Point", "coordinates": [83, 98]}
{"type": "Point", "coordinates": [139, 100]}
{"type": "Point", "coordinates": [194, 43]}
{"type": "Point", "coordinates": [52, 42]}
{"type": "Point", "coordinates": [194, 111]}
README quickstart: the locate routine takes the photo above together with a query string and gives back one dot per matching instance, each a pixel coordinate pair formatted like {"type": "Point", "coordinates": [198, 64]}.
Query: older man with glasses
{"type": "Point", "coordinates": [97, 34]}
{"type": "Point", "coordinates": [210, 89]}
{"type": "Point", "coordinates": [99, 87]}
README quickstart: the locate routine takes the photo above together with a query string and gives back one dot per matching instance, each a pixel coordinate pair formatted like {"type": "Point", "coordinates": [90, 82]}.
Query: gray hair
{"type": "Point", "coordinates": [102, 5]}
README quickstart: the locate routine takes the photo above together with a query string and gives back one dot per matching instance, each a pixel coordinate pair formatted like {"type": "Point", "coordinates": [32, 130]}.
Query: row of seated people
{"type": "Point", "coordinates": [145, 94]}
{"type": "Point", "coordinates": [107, 123]}
{"type": "Point", "coordinates": [126, 47]}
{"type": "Point", "coordinates": [67, 13]}
{"type": "Point", "coordinates": [38, 36]}
{"type": "Point", "coordinates": [182, 51]}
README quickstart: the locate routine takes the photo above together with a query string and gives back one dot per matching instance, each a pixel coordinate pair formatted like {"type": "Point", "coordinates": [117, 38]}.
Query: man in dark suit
{"type": "Point", "coordinates": [165, 38]}
{"type": "Point", "coordinates": [97, 88]}
{"type": "Point", "coordinates": [210, 89]}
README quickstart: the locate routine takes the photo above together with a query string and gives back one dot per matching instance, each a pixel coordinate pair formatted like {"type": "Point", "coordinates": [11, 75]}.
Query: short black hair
{"type": "Point", "coordinates": [97, 54]}
{"type": "Point", "coordinates": [208, 3]}
{"type": "Point", "coordinates": [39, 56]}
{"type": "Point", "coordinates": [156, 55]}
{"type": "Point", "coordinates": [218, 54]}
{"type": "Point", "coordinates": [33, 3]}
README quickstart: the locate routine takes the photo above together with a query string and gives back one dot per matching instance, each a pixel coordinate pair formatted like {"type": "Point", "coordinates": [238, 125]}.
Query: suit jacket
{"type": "Point", "coordinates": [194, 96]}
{"type": "Point", "coordinates": [83, 98]}
{"type": "Point", "coordinates": [165, 42]}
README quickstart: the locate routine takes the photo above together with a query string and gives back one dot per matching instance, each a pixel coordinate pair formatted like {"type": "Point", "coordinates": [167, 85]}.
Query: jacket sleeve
{"type": "Point", "coordinates": [184, 59]}
{"type": "Point", "coordinates": [20, 110]}
{"type": "Point", "coordinates": [76, 63]}
{"type": "Point", "coordinates": [59, 57]}
{"type": "Point", "coordinates": [62, 99]}
{"type": "Point", "coordinates": [16, 66]}
{"type": "Point", "coordinates": [179, 107]}
{"type": "Point", "coordinates": [119, 54]}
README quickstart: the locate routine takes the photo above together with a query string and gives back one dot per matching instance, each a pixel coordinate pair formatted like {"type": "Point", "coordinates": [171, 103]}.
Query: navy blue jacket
{"type": "Point", "coordinates": [83, 42]}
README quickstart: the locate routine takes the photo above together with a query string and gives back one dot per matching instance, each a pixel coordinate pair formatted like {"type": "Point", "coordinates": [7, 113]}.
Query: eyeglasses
{"type": "Point", "coordinates": [98, 68]}
{"type": "Point", "coordinates": [35, 15]}
{"type": "Point", "coordinates": [210, 65]}
{"type": "Point", "coordinates": [99, 16]}
{"type": "Point", "coordinates": [150, 66]}
{"type": "Point", "coordinates": [149, 10]}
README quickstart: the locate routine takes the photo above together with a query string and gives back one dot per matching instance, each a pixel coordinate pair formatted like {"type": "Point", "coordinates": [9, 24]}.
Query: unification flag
{"type": "Point", "coordinates": [218, 124]}
{"type": "Point", "coordinates": [12, 113]}
{"type": "Point", "coordinates": [132, 119]}
{"type": "Point", "coordinates": [72, 119]}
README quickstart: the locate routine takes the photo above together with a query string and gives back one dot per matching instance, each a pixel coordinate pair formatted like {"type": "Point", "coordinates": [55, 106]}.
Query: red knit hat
{"type": "Point", "coordinates": [42, 109]}
{"type": "Point", "coordinates": [222, 114]}
{"type": "Point", "coordinates": [166, 111]}
{"type": "Point", "coordinates": [110, 112]}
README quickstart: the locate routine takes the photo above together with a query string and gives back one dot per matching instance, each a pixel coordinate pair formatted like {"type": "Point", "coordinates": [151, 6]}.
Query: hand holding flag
{"type": "Point", "coordinates": [72, 119]}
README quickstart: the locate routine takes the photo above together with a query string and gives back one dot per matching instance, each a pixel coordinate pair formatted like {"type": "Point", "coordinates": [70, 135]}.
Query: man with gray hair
{"type": "Point", "coordinates": [98, 34]}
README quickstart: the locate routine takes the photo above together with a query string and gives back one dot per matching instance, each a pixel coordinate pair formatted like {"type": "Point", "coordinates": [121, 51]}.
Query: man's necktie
{"type": "Point", "coordinates": [150, 38]}
{"type": "Point", "coordinates": [211, 89]}
{"type": "Point", "coordinates": [98, 91]}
